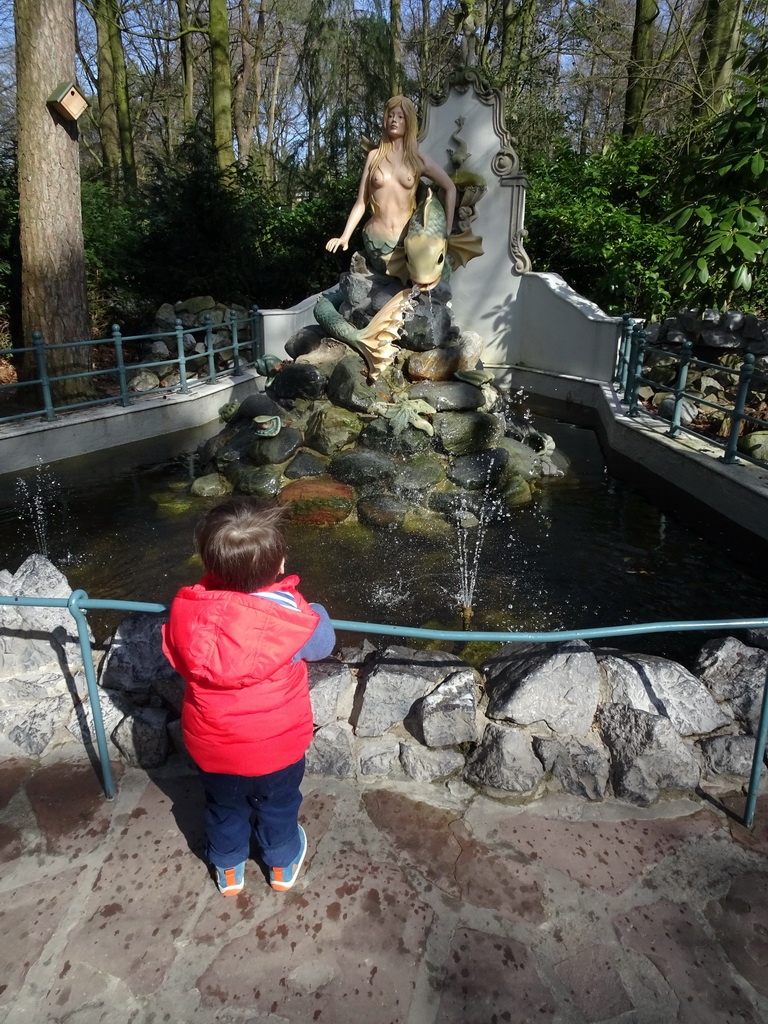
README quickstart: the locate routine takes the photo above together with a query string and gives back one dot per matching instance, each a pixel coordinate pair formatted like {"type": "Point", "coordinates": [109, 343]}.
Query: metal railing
{"type": "Point", "coordinates": [629, 375]}
{"type": "Point", "coordinates": [195, 356]}
{"type": "Point", "coordinates": [79, 603]}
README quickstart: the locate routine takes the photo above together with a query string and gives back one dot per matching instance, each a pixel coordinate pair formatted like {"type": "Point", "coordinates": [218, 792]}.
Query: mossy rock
{"type": "Point", "coordinates": [318, 501]}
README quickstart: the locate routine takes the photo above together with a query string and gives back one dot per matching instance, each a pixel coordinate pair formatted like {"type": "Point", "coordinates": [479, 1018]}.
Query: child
{"type": "Point", "coordinates": [239, 639]}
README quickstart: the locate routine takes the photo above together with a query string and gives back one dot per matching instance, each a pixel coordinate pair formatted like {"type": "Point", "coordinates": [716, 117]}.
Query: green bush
{"type": "Point", "coordinates": [595, 220]}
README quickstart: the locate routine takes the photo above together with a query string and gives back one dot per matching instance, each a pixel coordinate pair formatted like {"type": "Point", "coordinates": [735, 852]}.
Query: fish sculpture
{"type": "Point", "coordinates": [429, 253]}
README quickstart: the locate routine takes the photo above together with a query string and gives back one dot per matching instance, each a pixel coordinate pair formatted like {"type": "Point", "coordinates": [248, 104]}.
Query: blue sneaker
{"type": "Point", "coordinates": [283, 878]}
{"type": "Point", "coordinates": [230, 880]}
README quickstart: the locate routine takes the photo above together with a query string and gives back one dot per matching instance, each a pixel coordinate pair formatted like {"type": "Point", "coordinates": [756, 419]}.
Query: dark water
{"type": "Point", "coordinates": [589, 551]}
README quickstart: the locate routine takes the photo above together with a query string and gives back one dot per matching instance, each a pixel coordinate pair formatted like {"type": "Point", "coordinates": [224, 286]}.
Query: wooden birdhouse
{"type": "Point", "coordinates": [68, 101]}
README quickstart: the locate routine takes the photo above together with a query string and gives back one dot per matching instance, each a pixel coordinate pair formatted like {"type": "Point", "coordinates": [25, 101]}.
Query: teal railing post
{"type": "Point", "coordinates": [624, 349]}
{"type": "Point", "coordinates": [745, 375]}
{"type": "Point", "coordinates": [73, 604]}
{"type": "Point", "coordinates": [117, 340]}
{"type": "Point", "coordinates": [639, 337]}
{"type": "Point", "coordinates": [257, 334]}
{"type": "Point", "coordinates": [42, 373]}
{"type": "Point", "coordinates": [182, 358]}
{"type": "Point", "coordinates": [233, 323]}
{"type": "Point", "coordinates": [209, 348]}
{"type": "Point", "coordinates": [757, 761]}
{"type": "Point", "coordinates": [682, 381]}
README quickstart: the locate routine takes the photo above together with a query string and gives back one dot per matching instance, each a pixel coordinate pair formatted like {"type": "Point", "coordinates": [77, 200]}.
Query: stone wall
{"type": "Point", "coordinates": [534, 718]}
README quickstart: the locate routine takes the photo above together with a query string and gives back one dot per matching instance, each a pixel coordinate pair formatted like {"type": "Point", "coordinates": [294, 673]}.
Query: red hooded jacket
{"type": "Point", "coordinates": [246, 707]}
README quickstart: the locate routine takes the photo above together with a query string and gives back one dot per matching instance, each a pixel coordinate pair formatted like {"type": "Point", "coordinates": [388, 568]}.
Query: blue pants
{"type": "Point", "coordinates": [265, 805]}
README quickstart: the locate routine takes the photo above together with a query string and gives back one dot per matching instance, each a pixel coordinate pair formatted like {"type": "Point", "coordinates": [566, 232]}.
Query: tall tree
{"type": "Point", "coordinates": [53, 290]}
{"type": "Point", "coordinates": [641, 62]}
{"type": "Point", "coordinates": [719, 46]}
{"type": "Point", "coordinates": [221, 84]}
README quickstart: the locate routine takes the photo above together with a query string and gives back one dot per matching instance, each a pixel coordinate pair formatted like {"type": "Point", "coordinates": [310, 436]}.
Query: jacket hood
{"type": "Point", "coordinates": [227, 639]}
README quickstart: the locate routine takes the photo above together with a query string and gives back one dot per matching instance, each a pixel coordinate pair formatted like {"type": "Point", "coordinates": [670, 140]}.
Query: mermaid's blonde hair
{"type": "Point", "coordinates": [411, 156]}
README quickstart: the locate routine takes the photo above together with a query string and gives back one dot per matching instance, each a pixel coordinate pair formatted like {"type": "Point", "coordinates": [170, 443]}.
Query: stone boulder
{"type": "Point", "coordinates": [735, 675]}
{"type": "Point", "coordinates": [505, 761]}
{"type": "Point", "coordinates": [42, 675]}
{"type": "Point", "coordinates": [318, 500]}
{"type": "Point", "coordinates": [647, 755]}
{"type": "Point", "coordinates": [557, 683]}
{"type": "Point", "coordinates": [581, 765]}
{"type": "Point", "coordinates": [395, 681]}
{"type": "Point", "coordinates": [659, 686]}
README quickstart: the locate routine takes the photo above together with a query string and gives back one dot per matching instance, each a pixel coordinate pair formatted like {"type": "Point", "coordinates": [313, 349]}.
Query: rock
{"type": "Point", "coordinates": [331, 751]}
{"type": "Point", "coordinates": [522, 460]}
{"type": "Point", "coordinates": [688, 410]}
{"type": "Point", "coordinates": [396, 679]}
{"type": "Point", "coordinates": [504, 761]}
{"type": "Point", "coordinates": [556, 683]}
{"type": "Point", "coordinates": [331, 429]}
{"type": "Point", "coordinates": [306, 464]}
{"type": "Point", "coordinates": [463, 432]}
{"type": "Point", "coordinates": [448, 715]}
{"type": "Point", "coordinates": [735, 676]}
{"type": "Point", "coordinates": [378, 435]}
{"type": "Point", "coordinates": [324, 354]}
{"type": "Point", "coordinates": [306, 339]}
{"type": "Point", "coordinates": [40, 656]}
{"type": "Point", "coordinates": [729, 755]}
{"type": "Point", "coordinates": [358, 468]}
{"type": "Point", "coordinates": [144, 380]}
{"type": "Point", "coordinates": [296, 380]}
{"type": "Point", "coordinates": [28, 727]}
{"type": "Point", "coordinates": [755, 444]}
{"type": "Point", "coordinates": [196, 305]}
{"type": "Point", "coordinates": [379, 755]}
{"type": "Point", "coordinates": [349, 385]}
{"type": "Point", "coordinates": [319, 500]}
{"type": "Point", "coordinates": [580, 765]}
{"type": "Point", "coordinates": [255, 404]}
{"type": "Point", "coordinates": [135, 661]}
{"type": "Point", "coordinates": [516, 492]}
{"type": "Point", "coordinates": [382, 511]}
{"type": "Point", "coordinates": [275, 450]}
{"type": "Point", "coordinates": [480, 470]}
{"type": "Point", "coordinates": [419, 473]}
{"type": "Point", "coordinates": [327, 680]}
{"type": "Point", "coordinates": [213, 485]}
{"type": "Point", "coordinates": [426, 765]}
{"type": "Point", "coordinates": [449, 395]}
{"type": "Point", "coordinates": [659, 686]}
{"type": "Point", "coordinates": [259, 481]}
{"type": "Point", "coordinates": [359, 654]}
{"type": "Point", "coordinates": [429, 325]}
{"type": "Point", "coordinates": [142, 737]}
{"type": "Point", "coordinates": [114, 706]}
{"type": "Point", "coordinates": [647, 754]}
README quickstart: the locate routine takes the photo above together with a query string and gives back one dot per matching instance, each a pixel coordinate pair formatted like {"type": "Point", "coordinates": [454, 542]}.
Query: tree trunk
{"type": "Point", "coordinates": [108, 130]}
{"type": "Point", "coordinates": [719, 44]}
{"type": "Point", "coordinates": [187, 64]}
{"type": "Point", "coordinates": [53, 289]}
{"type": "Point", "coordinates": [221, 84]}
{"type": "Point", "coordinates": [122, 106]}
{"type": "Point", "coordinates": [640, 64]}
{"type": "Point", "coordinates": [396, 67]}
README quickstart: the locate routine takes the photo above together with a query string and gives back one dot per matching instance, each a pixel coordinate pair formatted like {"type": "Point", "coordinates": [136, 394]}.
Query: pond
{"type": "Point", "coordinates": [589, 551]}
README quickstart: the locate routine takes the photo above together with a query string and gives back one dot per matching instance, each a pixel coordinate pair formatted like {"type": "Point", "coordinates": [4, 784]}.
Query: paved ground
{"type": "Point", "coordinates": [416, 906]}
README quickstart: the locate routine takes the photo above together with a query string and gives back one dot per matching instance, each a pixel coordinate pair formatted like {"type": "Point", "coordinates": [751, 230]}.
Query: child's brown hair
{"type": "Point", "coordinates": [241, 543]}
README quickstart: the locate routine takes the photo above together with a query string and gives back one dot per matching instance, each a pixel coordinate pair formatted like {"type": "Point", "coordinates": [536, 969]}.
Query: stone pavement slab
{"type": "Point", "coordinates": [417, 905]}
